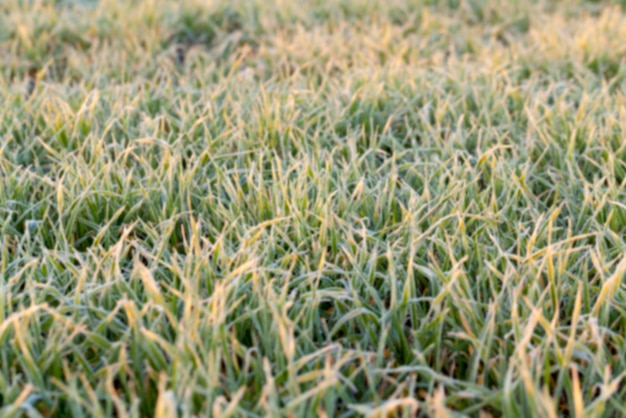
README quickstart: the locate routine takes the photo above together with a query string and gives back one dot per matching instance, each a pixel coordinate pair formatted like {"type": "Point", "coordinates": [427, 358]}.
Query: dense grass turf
{"type": "Point", "coordinates": [333, 208]}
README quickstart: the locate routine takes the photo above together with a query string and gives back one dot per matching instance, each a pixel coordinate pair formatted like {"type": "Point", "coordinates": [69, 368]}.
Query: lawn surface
{"type": "Point", "coordinates": [312, 208]}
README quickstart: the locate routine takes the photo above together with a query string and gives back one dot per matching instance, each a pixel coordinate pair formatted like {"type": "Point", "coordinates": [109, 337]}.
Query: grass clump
{"type": "Point", "coordinates": [339, 208]}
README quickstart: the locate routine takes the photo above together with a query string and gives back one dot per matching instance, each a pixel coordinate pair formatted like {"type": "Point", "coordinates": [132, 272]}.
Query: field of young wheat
{"type": "Point", "coordinates": [333, 208]}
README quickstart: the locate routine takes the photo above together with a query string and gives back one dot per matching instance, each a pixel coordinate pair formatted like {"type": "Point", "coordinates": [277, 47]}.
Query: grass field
{"type": "Point", "coordinates": [328, 208]}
